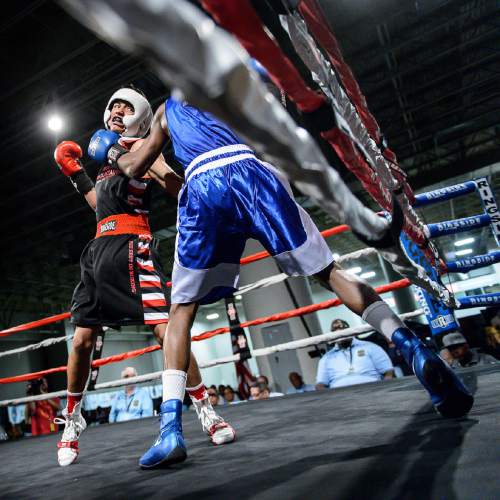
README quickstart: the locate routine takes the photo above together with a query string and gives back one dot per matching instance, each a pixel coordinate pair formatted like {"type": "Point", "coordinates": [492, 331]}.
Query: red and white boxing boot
{"type": "Point", "coordinates": [74, 425]}
{"type": "Point", "coordinates": [217, 429]}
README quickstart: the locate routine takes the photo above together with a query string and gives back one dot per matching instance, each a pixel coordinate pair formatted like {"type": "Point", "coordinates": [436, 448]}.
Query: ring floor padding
{"type": "Point", "coordinates": [376, 441]}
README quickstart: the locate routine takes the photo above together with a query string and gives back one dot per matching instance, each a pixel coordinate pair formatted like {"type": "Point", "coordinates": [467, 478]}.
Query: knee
{"type": "Point", "coordinates": [83, 342]}
{"type": "Point", "coordinates": [159, 332]}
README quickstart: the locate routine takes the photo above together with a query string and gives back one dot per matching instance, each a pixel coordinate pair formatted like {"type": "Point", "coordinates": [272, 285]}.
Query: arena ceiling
{"type": "Point", "coordinates": [429, 69]}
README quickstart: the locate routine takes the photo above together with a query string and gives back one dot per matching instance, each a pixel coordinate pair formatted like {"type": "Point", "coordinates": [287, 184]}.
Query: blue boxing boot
{"type": "Point", "coordinates": [169, 448]}
{"type": "Point", "coordinates": [448, 395]}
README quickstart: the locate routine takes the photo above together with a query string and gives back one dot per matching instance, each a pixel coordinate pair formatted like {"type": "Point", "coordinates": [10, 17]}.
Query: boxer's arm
{"type": "Point", "coordinates": [137, 163]}
{"type": "Point", "coordinates": [162, 173]}
{"type": "Point", "coordinates": [67, 155]}
{"type": "Point", "coordinates": [91, 199]}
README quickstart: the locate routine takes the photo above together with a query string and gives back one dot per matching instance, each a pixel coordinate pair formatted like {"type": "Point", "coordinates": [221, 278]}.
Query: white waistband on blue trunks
{"type": "Point", "coordinates": [218, 158]}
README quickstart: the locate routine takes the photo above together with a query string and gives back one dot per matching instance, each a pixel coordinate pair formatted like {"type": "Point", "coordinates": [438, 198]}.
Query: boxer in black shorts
{"type": "Point", "coordinates": [122, 281]}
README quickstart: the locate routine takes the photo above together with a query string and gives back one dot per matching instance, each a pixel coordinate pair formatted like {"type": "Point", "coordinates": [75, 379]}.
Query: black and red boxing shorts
{"type": "Point", "coordinates": [122, 281]}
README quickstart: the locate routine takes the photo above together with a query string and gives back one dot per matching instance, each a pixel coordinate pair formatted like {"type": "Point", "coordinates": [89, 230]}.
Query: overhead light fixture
{"type": "Point", "coordinates": [367, 275]}
{"type": "Point", "coordinates": [55, 123]}
{"type": "Point", "coordinates": [238, 297]}
{"type": "Point", "coordinates": [212, 316]}
{"type": "Point", "coordinates": [465, 241]}
{"type": "Point", "coordinates": [354, 270]}
{"type": "Point", "coordinates": [465, 251]}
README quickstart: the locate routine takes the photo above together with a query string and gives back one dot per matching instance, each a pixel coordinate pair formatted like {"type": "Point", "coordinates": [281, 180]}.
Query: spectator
{"type": "Point", "coordinates": [492, 334]}
{"type": "Point", "coordinates": [104, 404]}
{"type": "Point", "coordinates": [131, 403]}
{"type": "Point", "coordinates": [156, 394]}
{"type": "Point", "coordinates": [16, 416]}
{"type": "Point", "coordinates": [230, 396]}
{"type": "Point", "coordinates": [221, 390]}
{"type": "Point", "coordinates": [254, 391]}
{"type": "Point", "coordinates": [89, 407]}
{"type": "Point", "coordinates": [401, 368]}
{"type": "Point", "coordinates": [462, 354]}
{"type": "Point", "coordinates": [351, 362]}
{"type": "Point", "coordinates": [262, 379]}
{"type": "Point", "coordinates": [298, 384]}
{"type": "Point", "coordinates": [446, 355]}
{"type": "Point", "coordinates": [213, 396]}
{"type": "Point", "coordinates": [41, 413]}
{"type": "Point", "coordinates": [337, 324]}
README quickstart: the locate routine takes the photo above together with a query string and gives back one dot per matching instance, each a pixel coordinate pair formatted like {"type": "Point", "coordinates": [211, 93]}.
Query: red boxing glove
{"type": "Point", "coordinates": [67, 155]}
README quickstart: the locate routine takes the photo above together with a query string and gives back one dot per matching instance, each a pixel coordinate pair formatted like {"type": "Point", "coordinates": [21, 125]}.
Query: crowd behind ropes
{"type": "Point", "coordinates": [359, 360]}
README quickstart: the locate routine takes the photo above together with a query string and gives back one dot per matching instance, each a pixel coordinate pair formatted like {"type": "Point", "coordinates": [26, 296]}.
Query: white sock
{"type": "Point", "coordinates": [382, 318]}
{"type": "Point", "coordinates": [174, 384]}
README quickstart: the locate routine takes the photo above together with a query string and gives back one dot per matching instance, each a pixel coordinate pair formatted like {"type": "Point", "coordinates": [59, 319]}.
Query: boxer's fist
{"type": "Point", "coordinates": [67, 155]}
{"type": "Point", "coordinates": [100, 143]}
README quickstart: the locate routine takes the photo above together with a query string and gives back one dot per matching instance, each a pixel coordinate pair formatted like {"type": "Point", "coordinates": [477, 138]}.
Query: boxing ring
{"type": "Point", "coordinates": [381, 440]}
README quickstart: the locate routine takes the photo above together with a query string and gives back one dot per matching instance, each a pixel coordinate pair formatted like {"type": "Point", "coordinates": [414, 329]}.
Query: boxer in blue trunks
{"type": "Point", "coordinates": [230, 195]}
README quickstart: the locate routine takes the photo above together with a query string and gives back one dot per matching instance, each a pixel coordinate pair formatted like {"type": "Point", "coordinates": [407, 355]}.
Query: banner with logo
{"type": "Point", "coordinates": [440, 317]}
{"type": "Point", "coordinates": [240, 346]}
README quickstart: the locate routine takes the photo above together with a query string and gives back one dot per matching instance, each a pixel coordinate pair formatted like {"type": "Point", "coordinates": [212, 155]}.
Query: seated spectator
{"type": "Point", "coordinates": [230, 396]}
{"type": "Point", "coordinates": [254, 391]}
{"type": "Point", "coordinates": [338, 324]}
{"type": "Point", "coordinates": [16, 415]}
{"type": "Point", "coordinates": [221, 390]}
{"type": "Point", "coordinates": [401, 368]}
{"type": "Point", "coordinates": [259, 390]}
{"type": "Point", "coordinates": [42, 413]}
{"type": "Point", "coordinates": [446, 355]}
{"type": "Point", "coordinates": [462, 354]}
{"type": "Point", "coordinates": [213, 397]}
{"type": "Point", "coordinates": [132, 402]}
{"type": "Point", "coordinates": [262, 379]}
{"type": "Point", "coordinates": [298, 384]}
{"type": "Point", "coordinates": [104, 404]}
{"type": "Point", "coordinates": [156, 394]}
{"type": "Point", "coordinates": [352, 362]}
{"type": "Point", "coordinates": [89, 407]}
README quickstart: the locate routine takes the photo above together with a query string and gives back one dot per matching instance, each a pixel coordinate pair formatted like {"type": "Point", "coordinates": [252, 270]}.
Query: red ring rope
{"type": "Point", "coordinates": [395, 285]}
{"type": "Point", "coordinates": [245, 260]}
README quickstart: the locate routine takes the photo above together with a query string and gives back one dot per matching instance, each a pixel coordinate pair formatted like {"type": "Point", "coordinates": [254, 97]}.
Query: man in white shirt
{"type": "Point", "coordinates": [131, 403]}
{"type": "Point", "coordinates": [352, 362]}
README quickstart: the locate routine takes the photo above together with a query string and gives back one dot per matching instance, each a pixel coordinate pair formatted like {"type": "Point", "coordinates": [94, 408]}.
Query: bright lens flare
{"type": "Point", "coordinates": [55, 123]}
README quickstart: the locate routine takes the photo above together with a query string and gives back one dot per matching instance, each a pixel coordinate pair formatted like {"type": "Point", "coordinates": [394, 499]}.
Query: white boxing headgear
{"type": "Point", "coordinates": [138, 124]}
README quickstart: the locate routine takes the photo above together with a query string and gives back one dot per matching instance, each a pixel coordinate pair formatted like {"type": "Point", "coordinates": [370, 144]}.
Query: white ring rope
{"type": "Point", "coordinates": [271, 280]}
{"type": "Point", "coordinates": [265, 351]}
{"type": "Point", "coordinates": [39, 345]}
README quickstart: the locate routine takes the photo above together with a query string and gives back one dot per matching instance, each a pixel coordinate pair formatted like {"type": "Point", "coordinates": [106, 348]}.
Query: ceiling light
{"type": "Point", "coordinates": [55, 123]}
{"type": "Point", "coordinates": [369, 274]}
{"type": "Point", "coordinates": [465, 251]}
{"type": "Point", "coordinates": [212, 316]}
{"type": "Point", "coordinates": [354, 270]}
{"type": "Point", "coordinates": [465, 241]}
{"type": "Point", "coordinates": [238, 297]}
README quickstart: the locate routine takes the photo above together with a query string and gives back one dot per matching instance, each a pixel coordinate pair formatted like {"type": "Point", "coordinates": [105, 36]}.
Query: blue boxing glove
{"type": "Point", "coordinates": [101, 144]}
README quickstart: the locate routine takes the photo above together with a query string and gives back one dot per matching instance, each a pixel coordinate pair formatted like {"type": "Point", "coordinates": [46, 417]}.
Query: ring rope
{"type": "Point", "coordinates": [271, 280]}
{"type": "Point", "coordinates": [219, 331]}
{"type": "Point", "coordinates": [295, 344]}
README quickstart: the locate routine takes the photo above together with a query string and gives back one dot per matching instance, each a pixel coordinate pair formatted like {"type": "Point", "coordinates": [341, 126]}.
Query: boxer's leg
{"type": "Point", "coordinates": [78, 373]}
{"type": "Point", "coordinates": [448, 394]}
{"type": "Point", "coordinates": [217, 429]}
